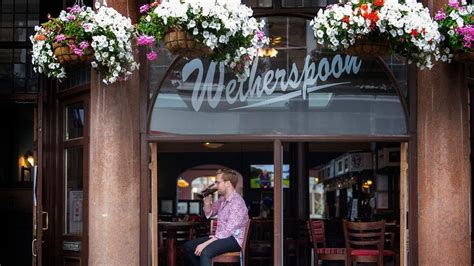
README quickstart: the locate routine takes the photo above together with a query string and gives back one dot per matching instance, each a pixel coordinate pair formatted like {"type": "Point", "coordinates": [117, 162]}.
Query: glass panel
{"type": "Point", "coordinates": [33, 85]}
{"type": "Point", "coordinates": [76, 77]}
{"type": "Point", "coordinates": [20, 5]}
{"type": "Point", "coordinates": [19, 55]}
{"type": "Point", "coordinates": [259, 3]}
{"type": "Point", "coordinates": [19, 70]}
{"type": "Point", "coordinates": [20, 20]}
{"type": "Point", "coordinates": [20, 34]}
{"type": "Point", "coordinates": [6, 35]}
{"type": "Point", "coordinates": [7, 6]}
{"type": "Point", "coordinates": [33, 6]}
{"type": "Point", "coordinates": [157, 70]}
{"type": "Point", "coordinates": [73, 189]}
{"type": "Point", "coordinates": [301, 91]}
{"type": "Point", "coordinates": [74, 121]}
{"type": "Point", "coordinates": [7, 20]}
{"type": "Point", "coordinates": [304, 3]}
{"type": "Point", "coordinates": [6, 55]}
{"type": "Point", "coordinates": [33, 19]}
{"type": "Point", "coordinates": [20, 85]}
{"type": "Point", "coordinates": [5, 71]}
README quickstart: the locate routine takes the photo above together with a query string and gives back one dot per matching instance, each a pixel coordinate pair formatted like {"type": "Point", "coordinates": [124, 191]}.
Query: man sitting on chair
{"type": "Point", "coordinates": [231, 220]}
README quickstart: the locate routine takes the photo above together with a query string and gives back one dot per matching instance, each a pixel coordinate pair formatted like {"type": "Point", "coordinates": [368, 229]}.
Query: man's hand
{"type": "Point", "coordinates": [200, 248]}
{"type": "Point", "coordinates": [207, 200]}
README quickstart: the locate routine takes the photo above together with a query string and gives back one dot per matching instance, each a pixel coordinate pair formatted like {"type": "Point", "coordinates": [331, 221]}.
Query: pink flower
{"type": "Point", "coordinates": [72, 46]}
{"type": "Point", "coordinates": [260, 35]}
{"type": "Point", "coordinates": [145, 40]}
{"type": "Point", "coordinates": [453, 3]}
{"type": "Point", "coordinates": [84, 45]}
{"type": "Point", "coordinates": [152, 55]}
{"type": "Point", "coordinates": [440, 15]}
{"type": "Point", "coordinates": [79, 52]}
{"type": "Point", "coordinates": [144, 8]}
{"type": "Point", "coordinates": [87, 26]}
{"type": "Point", "coordinates": [60, 38]}
{"type": "Point", "coordinates": [71, 17]}
{"type": "Point", "coordinates": [74, 9]}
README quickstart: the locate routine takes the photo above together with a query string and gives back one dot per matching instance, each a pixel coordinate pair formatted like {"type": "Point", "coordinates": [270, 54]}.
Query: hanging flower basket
{"type": "Point", "coordinates": [80, 35]}
{"type": "Point", "coordinates": [182, 43]}
{"type": "Point", "coordinates": [68, 57]}
{"type": "Point", "coordinates": [386, 27]}
{"type": "Point", "coordinates": [464, 57]}
{"type": "Point", "coordinates": [456, 25]}
{"type": "Point", "coordinates": [222, 31]}
{"type": "Point", "coordinates": [368, 49]}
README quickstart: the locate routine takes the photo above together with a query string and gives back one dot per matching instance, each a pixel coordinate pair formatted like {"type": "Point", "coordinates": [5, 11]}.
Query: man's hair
{"type": "Point", "coordinates": [228, 175]}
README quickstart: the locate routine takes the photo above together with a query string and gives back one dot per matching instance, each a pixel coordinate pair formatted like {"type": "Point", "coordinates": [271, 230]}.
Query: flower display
{"type": "Point", "coordinates": [407, 27]}
{"type": "Point", "coordinates": [225, 27]}
{"type": "Point", "coordinates": [104, 35]}
{"type": "Point", "coordinates": [455, 22]}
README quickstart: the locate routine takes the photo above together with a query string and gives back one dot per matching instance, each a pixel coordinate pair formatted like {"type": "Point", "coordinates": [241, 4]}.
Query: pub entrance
{"type": "Point", "coordinates": [297, 98]}
{"type": "Point", "coordinates": [324, 181]}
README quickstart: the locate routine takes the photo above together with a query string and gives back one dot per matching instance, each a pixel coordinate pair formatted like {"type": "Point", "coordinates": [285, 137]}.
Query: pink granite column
{"type": "Point", "coordinates": [114, 177]}
{"type": "Point", "coordinates": [443, 165]}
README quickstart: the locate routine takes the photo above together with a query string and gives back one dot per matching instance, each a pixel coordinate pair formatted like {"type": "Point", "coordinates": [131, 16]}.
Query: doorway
{"type": "Point", "coordinates": [368, 178]}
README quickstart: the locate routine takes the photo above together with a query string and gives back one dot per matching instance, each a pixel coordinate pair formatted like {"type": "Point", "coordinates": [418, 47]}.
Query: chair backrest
{"type": "Point", "coordinates": [316, 233]}
{"type": "Point", "coordinates": [213, 228]}
{"type": "Point", "coordinates": [201, 229]}
{"type": "Point", "coordinates": [246, 235]}
{"type": "Point", "coordinates": [261, 230]}
{"type": "Point", "coordinates": [365, 235]}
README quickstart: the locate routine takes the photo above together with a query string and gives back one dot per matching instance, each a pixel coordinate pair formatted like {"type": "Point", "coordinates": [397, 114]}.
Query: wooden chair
{"type": "Point", "coordinates": [231, 257]}
{"type": "Point", "coordinates": [318, 239]}
{"type": "Point", "coordinates": [365, 242]}
{"type": "Point", "coordinates": [260, 247]}
{"type": "Point", "coordinates": [297, 242]}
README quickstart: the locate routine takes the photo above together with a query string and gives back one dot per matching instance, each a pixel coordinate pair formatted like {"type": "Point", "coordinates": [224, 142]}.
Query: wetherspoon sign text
{"type": "Point", "coordinates": [300, 83]}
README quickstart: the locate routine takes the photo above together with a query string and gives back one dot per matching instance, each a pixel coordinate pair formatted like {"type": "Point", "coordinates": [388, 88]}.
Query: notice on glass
{"type": "Point", "coordinates": [75, 211]}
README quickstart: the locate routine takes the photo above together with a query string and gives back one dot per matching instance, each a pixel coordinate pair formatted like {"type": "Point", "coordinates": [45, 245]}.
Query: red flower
{"type": "Point", "coordinates": [364, 7]}
{"type": "Point", "coordinates": [414, 33]}
{"type": "Point", "coordinates": [345, 19]}
{"type": "Point", "coordinates": [378, 3]}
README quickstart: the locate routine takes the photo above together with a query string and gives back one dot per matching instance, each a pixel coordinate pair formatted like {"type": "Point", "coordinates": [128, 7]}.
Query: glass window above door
{"type": "Point", "coordinates": [298, 91]}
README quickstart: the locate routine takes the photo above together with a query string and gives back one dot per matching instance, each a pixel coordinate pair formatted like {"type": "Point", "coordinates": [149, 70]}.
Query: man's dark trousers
{"type": "Point", "coordinates": [215, 248]}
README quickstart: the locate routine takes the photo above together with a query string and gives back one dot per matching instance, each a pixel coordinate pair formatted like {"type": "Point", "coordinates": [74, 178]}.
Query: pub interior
{"type": "Point", "coordinates": [328, 182]}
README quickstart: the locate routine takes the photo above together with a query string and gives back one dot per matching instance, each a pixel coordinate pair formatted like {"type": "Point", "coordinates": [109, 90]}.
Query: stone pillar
{"type": "Point", "coordinates": [443, 164]}
{"type": "Point", "coordinates": [114, 175]}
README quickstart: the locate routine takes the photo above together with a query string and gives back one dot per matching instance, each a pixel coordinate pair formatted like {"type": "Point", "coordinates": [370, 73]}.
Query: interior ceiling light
{"type": "Point", "coordinates": [213, 145]}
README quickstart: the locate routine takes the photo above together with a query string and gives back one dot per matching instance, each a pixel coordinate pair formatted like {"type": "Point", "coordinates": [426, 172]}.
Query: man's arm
{"type": "Point", "coordinates": [209, 208]}
{"type": "Point", "coordinates": [202, 246]}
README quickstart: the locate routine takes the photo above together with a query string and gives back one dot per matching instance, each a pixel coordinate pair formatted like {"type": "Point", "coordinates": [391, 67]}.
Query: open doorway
{"type": "Point", "coordinates": [359, 181]}
{"type": "Point", "coordinates": [337, 181]}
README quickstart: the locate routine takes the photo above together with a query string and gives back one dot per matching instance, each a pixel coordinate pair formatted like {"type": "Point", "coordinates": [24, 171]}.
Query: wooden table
{"type": "Point", "coordinates": [172, 231]}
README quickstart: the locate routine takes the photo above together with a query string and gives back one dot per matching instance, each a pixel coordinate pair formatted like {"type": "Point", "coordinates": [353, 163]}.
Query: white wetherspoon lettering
{"type": "Point", "coordinates": [257, 85]}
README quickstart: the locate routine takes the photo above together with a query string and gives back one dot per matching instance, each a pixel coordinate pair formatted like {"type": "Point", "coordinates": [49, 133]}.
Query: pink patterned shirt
{"type": "Point", "coordinates": [232, 218]}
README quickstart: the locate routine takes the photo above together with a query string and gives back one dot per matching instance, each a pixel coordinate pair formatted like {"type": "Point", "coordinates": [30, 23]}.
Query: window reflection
{"type": "Point", "coordinates": [73, 190]}
{"type": "Point", "coordinates": [75, 121]}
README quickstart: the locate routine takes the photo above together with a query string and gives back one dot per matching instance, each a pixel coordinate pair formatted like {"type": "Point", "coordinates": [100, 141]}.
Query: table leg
{"type": "Point", "coordinates": [171, 251]}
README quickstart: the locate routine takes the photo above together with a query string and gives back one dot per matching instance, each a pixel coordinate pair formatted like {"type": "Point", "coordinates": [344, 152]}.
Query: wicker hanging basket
{"type": "Point", "coordinates": [66, 55]}
{"type": "Point", "coordinates": [182, 43]}
{"type": "Point", "coordinates": [367, 49]}
{"type": "Point", "coordinates": [466, 57]}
